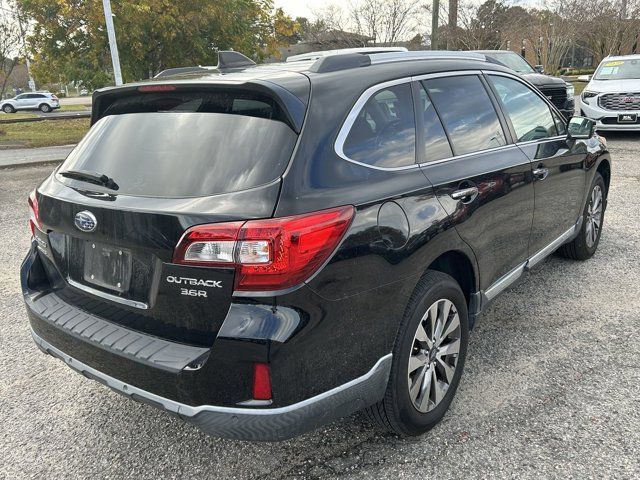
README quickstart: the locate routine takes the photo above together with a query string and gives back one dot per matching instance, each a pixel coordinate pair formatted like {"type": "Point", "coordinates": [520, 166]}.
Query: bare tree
{"type": "Point", "coordinates": [607, 27]}
{"type": "Point", "coordinates": [9, 47]}
{"type": "Point", "coordinates": [386, 21]}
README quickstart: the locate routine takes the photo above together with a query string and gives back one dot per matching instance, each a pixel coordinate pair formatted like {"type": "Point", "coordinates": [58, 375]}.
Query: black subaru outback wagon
{"type": "Point", "coordinates": [260, 250]}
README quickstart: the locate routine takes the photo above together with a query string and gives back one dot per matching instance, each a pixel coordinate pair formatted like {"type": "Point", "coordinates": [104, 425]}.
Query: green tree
{"type": "Point", "coordinates": [69, 40]}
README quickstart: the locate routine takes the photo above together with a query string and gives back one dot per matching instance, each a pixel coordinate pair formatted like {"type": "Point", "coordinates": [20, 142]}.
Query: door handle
{"type": "Point", "coordinates": [541, 173]}
{"type": "Point", "coordinates": [465, 193]}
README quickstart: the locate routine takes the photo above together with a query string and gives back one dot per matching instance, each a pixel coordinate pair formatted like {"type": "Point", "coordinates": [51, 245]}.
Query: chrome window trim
{"type": "Point", "coordinates": [351, 118]}
{"type": "Point", "coordinates": [367, 94]}
{"type": "Point", "coordinates": [542, 140]}
{"type": "Point", "coordinates": [458, 157]}
{"type": "Point", "coordinates": [459, 73]}
{"type": "Point", "coordinates": [108, 296]}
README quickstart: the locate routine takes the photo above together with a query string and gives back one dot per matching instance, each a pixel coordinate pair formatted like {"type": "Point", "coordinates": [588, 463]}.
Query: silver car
{"type": "Point", "coordinates": [612, 97]}
{"type": "Point", "coordinates": [43, 101]}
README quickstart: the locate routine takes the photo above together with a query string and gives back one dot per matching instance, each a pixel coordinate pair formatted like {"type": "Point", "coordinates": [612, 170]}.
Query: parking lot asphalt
{"type": "Point", "coordinates": [551, 387]}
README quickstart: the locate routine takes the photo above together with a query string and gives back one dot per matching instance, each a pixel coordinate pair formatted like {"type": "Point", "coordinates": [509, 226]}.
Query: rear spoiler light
{"type": "Point", "coordinates": [268, 255]}
{"type": "Point", "coordinates": [156, 88]}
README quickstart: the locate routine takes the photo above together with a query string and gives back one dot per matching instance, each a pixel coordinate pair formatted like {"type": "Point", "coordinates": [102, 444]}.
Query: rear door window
{"type": "Point", "coordinates": [188, 144]}
{"type": "Point", "coordinates": [529, 114]}
{"type": "Point", "coordinates": [384, 131]}
{"type": "Point", "coordinates": [436, 144]}
{"type": "Point", "coordinates": [467, 113]}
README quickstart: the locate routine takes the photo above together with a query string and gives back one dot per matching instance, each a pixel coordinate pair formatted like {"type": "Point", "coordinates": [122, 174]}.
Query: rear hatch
{"type": "Point", "coordinates": [158, 160]}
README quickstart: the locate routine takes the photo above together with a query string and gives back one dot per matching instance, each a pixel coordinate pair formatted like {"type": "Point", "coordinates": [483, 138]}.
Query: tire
{"type": "Point", "coordinates": [586, 243]}
{"type": "Point", "coordinates": [398, 411]}
{"type": "Point", "coordinates": [44, 108]}
{"type": "Point", "coordinates": [8, 109]}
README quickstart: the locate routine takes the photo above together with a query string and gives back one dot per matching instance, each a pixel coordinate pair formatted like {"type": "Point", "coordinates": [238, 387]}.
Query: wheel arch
{"type": "Point", "coordinates": [461, 266]}
{"type": "Point", "coordinates": [604, 169]}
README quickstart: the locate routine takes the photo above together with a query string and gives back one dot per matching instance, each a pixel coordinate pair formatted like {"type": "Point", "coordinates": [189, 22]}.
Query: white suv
{"type": "Point", "coordinates": [43, 101]}
{"type": "Point", "coordinates": [612, 97]}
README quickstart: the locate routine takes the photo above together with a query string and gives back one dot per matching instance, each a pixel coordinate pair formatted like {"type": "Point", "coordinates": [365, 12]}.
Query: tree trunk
{"type": "Point", "coordinates": [435, 20]}
{"type": "Point", "coordinates": [453, 24]}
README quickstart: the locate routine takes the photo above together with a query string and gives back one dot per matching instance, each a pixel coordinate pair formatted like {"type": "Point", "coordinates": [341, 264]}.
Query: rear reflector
{"type": "Point", "coordinates": [34, 214]}
{"type": "Point", "coordinates": [268, 255]}
{"type": "Point", "coordinates": [261, 382]}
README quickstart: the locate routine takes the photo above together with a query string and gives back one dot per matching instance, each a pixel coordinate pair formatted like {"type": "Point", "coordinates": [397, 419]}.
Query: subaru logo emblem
{"type": "Point", "coordinates": [85, 221]}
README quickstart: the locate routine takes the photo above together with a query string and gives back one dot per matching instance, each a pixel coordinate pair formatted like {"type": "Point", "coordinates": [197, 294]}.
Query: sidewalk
{"type": "Point", "coordinates": [25, 156]}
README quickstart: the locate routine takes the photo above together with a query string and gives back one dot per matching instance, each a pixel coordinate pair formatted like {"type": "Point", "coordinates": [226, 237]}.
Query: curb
{"type": "Point", "coordinates": [41, 156]}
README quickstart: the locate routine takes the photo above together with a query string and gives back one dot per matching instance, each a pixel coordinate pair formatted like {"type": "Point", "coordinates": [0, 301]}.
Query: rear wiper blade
{"type": "Point", "coordinates": [91, 177]}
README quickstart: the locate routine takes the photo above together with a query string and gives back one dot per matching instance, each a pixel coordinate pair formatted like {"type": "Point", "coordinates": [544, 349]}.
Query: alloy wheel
{"type": "Point", "coordinates": [594, 216]}
{"type": "Point", "coordinates": [434, 355]}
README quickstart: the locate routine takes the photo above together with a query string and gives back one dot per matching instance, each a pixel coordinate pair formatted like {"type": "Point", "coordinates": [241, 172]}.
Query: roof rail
{"type": "Point", "coordinates": [333, 63]}
{"type": "Point", "coordinates": [345, 61]}
{"type": "Point", "coordinates": [342, 51]}
{"type": "Point", "coordinates": [425, 55]}
{"type": "Point", "coordinates": [227, 60]}
{"type": "Point", "coordinates": [179, 71]}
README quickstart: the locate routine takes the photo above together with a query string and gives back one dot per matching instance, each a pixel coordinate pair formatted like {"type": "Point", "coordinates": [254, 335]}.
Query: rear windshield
{"type": "Point", "coordinates": [184, 146]}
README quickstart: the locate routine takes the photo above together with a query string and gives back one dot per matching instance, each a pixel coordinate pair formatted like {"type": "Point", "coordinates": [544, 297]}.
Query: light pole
{"type": "Point", "coordinates": [32, 83]}
{"type": "Point", "coordinates": [113, 46]}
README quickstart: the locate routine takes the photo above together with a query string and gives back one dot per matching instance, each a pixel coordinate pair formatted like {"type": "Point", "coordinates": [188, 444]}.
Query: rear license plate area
{"type": "Point", "coordinates": [627, 118]}
{"type": "Point", "coordinates": [107, 266]}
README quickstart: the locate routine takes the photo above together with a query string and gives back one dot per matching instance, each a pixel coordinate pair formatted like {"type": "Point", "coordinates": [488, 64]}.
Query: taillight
{"type": "Point", "coordinates": [34, 214]}
{"type": "Point", "coordinates": [268, 255]}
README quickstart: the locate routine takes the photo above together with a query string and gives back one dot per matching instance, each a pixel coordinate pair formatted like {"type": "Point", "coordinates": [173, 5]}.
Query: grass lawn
{"type": "Point", "coordinates": [43, 134]}
{"type": "Point", "coordinates": [32, 114]}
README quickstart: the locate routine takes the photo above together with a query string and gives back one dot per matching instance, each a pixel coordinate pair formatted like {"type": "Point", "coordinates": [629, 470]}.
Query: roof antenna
{"type": "Point", "coordinates": [228, 59]}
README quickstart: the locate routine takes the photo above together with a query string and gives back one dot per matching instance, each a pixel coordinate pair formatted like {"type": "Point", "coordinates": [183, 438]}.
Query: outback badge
{"type": "Point", "coordinates": [85, 221]}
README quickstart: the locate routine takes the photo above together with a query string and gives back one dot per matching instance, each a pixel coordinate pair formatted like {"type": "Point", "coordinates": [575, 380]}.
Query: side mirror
{"type": "Point", "coordinates": [539, 68]}
{"type": "Point", "coordinates": [581, 128]}
{"type": "Point", "coordinates": [584, 78]}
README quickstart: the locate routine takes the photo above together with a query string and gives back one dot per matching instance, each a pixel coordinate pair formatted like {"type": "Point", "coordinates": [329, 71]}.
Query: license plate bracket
{"type": "Point", "coordinates": [107, 266]}
{"type": "Point", "coordinates": [628, 118]}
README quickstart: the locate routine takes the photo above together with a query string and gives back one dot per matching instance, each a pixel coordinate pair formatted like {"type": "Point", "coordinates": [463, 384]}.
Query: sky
{"type": "Point", "coordinates": [305, 8]}
{"type": "Point", "coordinates": [300, 8]}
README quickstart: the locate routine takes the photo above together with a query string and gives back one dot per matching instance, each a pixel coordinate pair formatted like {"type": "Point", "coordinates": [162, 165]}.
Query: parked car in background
{"type": "Point", "coordinates": [84, 92]}
{"type": "Point", "coordinates": [43, 101]}
{"type": "Point", "coordinates": [612, 96]}
{"type": "Point", "coordinates": [559, 92]}
{"type": "Point", "coordinates": [238, 248]}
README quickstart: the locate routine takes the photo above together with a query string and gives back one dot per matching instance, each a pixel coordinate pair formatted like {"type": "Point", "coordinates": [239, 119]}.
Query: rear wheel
{"type": "Point", "coordinates": [8, 109]}
{"type": "Point", "coordinates": [428, 358]}
{"type": "Point", "coordinates": [586, 243]}
{"type": "Point", "coordinates": [44, 108]}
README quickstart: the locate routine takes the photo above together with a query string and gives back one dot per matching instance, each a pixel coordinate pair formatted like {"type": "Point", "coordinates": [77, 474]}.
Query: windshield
{"type": "Point", "coordinates": [618, 70]}
{"type": "Point", "coordinates": [182, 154]}
{"type": "Point", "coordinates": [513, 61]}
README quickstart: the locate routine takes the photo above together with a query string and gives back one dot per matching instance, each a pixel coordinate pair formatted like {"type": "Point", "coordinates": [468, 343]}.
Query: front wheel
{"type": "Point", "coordinates": [586, 243]}
{"type": "Point", "coordinates": [8, 109]}
{"type": "Point", "coordinates": [44, 108]}
{"type": "Point", "coordinates": [428, 358]}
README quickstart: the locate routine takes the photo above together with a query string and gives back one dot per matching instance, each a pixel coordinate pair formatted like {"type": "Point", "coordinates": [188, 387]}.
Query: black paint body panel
{"type": "Point", "coordinates": [341, 321]}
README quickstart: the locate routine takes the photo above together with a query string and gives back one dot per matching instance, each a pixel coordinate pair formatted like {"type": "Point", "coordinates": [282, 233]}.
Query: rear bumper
{"type": "Point", "coordinates": [257, 424]}
{"type": "Point", "coordinates": [211, 386]}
